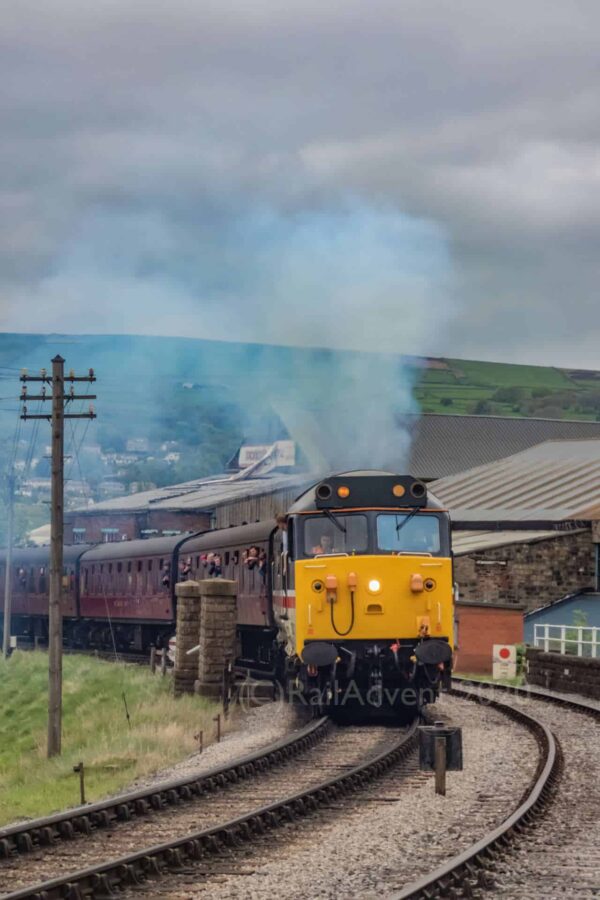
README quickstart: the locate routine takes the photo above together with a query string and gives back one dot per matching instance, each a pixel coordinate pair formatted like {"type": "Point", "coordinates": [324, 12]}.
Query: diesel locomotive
{"type": "Point", "coordinates": [347, 600]}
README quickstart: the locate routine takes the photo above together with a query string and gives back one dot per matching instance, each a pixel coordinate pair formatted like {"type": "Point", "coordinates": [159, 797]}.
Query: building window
{"type": "Point", "coordinates": [79, 535]}
{"type": "Point", "coordinates": [109, 535]}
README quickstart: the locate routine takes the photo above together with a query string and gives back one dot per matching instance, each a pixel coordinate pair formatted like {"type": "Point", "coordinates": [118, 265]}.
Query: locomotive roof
{"type": "Point", "coordinates": [378, 489]}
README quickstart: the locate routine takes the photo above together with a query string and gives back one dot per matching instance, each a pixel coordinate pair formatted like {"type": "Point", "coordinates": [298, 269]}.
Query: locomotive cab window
{"type": "Point", "coordinates": [348, 534]}
{"type": "Point", "coordinates": [408, 533]}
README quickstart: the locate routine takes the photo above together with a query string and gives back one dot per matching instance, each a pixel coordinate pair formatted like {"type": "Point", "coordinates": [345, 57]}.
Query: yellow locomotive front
{"type": "Point", "coordinates": [373, 593]}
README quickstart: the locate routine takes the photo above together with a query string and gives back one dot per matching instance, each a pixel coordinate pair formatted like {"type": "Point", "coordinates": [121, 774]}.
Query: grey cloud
{"type": "Point", "coordinates": [138, 136]}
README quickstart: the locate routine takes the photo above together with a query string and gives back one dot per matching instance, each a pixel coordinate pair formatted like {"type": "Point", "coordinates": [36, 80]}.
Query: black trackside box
{"type": "Point", "coordinates": [357, 491]}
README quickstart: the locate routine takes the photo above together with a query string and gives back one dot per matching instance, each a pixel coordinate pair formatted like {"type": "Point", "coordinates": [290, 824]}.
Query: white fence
{"type": "Point", "coordinates": [568, 639]}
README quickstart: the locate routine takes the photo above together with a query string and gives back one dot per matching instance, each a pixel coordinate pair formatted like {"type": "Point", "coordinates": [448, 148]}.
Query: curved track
{"type": "Point", "coordinates": [470, 873]}
{"type": "Point", "coordinates": [351, 758]}
{"type": "Point", "coordinates": [46, 832]}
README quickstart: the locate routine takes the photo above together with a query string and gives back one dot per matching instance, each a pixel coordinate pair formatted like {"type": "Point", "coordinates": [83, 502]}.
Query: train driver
{"type": "Point", "coordinates": [325, 545]}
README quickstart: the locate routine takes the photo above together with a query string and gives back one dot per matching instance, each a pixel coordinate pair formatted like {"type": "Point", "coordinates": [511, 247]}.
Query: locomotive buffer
{"type": "Point", "coordinates": [57, 419]}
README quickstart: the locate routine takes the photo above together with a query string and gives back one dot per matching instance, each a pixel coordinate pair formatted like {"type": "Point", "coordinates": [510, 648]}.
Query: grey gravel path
{"type": "Point", "coordinates": [560, 856]}
{"type": "Point", "coordinates": [375, 842]}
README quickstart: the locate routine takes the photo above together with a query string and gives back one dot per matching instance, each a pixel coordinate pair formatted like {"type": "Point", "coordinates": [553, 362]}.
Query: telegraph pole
{"type": "Point", "coordinates": [57, 420]}
{"type": "Point", "coordinates": [10, 497]}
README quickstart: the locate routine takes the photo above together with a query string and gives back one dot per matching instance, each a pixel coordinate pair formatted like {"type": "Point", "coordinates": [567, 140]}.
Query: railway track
{"type": "Point", "coordinates": [257, 800]}
{"type": "Point", "coordinates": [563, 828]}
{"type": "Point", "coordinates": [21, 840]}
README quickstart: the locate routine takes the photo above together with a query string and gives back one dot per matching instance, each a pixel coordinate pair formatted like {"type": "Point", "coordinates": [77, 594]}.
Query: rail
{"type": "Point", "coordinates": [103, 880]}
{"type": "Point", "coordinates": [463, 874]}
{"type": "Point", "coordinates": [28, 836]}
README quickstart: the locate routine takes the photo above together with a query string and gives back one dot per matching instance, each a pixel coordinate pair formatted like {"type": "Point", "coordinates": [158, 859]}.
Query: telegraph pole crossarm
{"type": "Point", "coordinates": [57, 418]}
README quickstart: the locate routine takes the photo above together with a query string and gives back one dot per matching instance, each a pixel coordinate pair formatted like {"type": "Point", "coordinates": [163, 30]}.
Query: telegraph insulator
{"type": "Point", "coordinates": [91, 409]}
{"type": "Point", "coordinates": [23, 391]}
{"type": "Point", "coordinates": [43, 373]}
{"type": "Point", "coordinates": [71, 374]}
{"type": "Point", "coordinates": [23, 373]}
{"type": "Point", "coordinates": [72, 391]}
{"type": "Point", "coordinates": [91, 373]}
{"type": "Point", "coordinates": [24, 410]}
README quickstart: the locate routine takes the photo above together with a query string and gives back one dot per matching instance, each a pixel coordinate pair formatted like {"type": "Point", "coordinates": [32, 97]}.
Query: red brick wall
{"type": "Point", "coordinates": [479, 627]}
{"type": "Point", "coordinates": [132, 524]}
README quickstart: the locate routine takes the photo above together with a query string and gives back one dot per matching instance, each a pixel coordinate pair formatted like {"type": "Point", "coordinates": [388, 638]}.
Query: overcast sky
{"type": "Point", "coordinates": [420, 176]}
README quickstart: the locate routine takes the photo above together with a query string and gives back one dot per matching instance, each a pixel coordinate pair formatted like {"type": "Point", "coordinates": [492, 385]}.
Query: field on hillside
{"type": "Point", "coordinates": [483, 388]}
{"type": "Point", "coordinates": [95, 731]}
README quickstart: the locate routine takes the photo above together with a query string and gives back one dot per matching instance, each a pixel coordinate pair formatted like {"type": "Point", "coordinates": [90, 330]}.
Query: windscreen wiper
{"type": "Point", "coordinates": [334, 520]}
{"type": "Point", "coordinates": [400, 525]}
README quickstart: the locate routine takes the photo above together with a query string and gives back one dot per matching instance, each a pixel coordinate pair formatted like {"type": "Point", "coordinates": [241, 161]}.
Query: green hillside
{"type": "Point", "coordinates": [202, 398]}
{"type": "Point", "coordinates": [485, 388]}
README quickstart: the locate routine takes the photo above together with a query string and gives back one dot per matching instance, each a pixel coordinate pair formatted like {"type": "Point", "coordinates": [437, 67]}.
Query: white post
{"type": "Point", "coordinates": [563, 635]}
{"type": "Point", "coordinates": [580, 641]}
{"type": "Point", "coordinates": [546, 638]}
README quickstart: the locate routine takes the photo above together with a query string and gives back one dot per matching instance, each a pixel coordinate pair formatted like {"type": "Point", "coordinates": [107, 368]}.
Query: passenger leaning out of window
{"type": "Point", "coordinates": [251, 557]}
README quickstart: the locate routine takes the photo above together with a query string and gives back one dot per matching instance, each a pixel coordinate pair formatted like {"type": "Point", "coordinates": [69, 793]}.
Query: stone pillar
{"type": "Point", "coordinates": [188, 633]}
{"type": "Point", "coordinates": [218, 618]}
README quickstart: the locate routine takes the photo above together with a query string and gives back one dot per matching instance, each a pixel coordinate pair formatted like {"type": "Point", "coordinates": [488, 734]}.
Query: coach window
{"type": "Point", "coordinates": [31, 582]}
{"type": "Point", "coordinates": [42, 581]}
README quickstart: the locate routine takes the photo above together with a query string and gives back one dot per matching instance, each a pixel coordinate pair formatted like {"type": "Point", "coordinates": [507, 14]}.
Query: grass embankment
{"type": "Point", "coordinates": [518, 681]}
{"type": "Point", "coordinates": [95, 730]}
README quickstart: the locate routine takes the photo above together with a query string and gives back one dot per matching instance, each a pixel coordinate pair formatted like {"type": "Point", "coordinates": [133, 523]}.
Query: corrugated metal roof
{"type": "Point", "coordinates": [442, 445]}
{"type": "Point", "coordinates": [555, 481]}
{"type": "Point", "coordinates": [464, 542]}
{"type": "Point", "coordinates": [198, 495]}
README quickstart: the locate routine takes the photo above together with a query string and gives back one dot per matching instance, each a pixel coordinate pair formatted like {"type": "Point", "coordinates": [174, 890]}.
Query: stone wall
{"type": "Point", "coordinates": [529, 574]}
{"type": "Point", "coordinates": [218, 615]}
{"type": "Point", "coordinates": [557, 672]}
{"type": "Point", "coordinates": [188, 636]}
{"type": "Point", "coordinates": [206, 619]}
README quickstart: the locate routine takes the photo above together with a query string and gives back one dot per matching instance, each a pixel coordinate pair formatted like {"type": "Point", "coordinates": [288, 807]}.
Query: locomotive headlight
{"type": "Point", "coordinates": [374, 586]}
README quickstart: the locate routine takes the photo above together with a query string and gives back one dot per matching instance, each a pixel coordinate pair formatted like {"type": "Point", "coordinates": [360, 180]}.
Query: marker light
{"type": "Point", "coordinates": [374, 586]}
{"type": "Point", "coordinates": [398, 490]}
{"type": "Point", "coordinates": [343, 491]}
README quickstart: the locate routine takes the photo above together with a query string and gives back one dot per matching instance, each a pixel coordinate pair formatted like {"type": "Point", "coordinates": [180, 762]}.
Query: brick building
{"type": "Point", "coordinates": [478, 627]}
{"type": "Point", "coordinates": [441, 445]}
{"type": "Point", "coordinates": [194, 506]}
{"type": "Point", "coordinates": [526, 529]}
